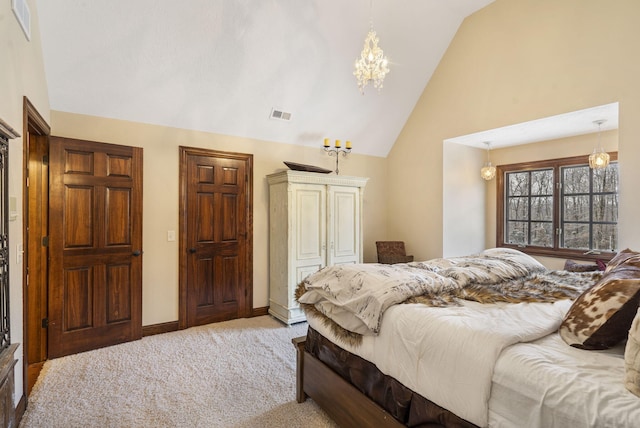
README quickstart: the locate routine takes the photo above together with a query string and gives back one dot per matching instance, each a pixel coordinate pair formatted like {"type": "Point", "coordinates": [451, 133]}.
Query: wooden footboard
{"type": "Point", "coordinates": [345, 404]}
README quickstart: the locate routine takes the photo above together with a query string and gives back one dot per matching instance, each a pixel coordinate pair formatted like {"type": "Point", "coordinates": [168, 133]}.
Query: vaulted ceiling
{"type": "Point", "coordinates": [222, 65]}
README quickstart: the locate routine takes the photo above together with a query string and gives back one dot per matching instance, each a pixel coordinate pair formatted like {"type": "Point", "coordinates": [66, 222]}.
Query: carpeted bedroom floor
{"type": "Point", "coordinates": [236, 374]}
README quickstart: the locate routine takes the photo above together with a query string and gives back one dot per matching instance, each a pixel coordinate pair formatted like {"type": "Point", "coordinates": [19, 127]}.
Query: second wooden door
{"type": "Point", "coordinates": [215, 236]}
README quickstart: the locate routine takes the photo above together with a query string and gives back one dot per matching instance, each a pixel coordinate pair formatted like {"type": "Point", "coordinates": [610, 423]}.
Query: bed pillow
{"type": "Point", "coordinates": [516, 256]}
{"type": "Point", "coordinates": [602, 315]}
{"type": "Point", "coordinates": [632, 357]}
{"type": "Point", "coordinates": [572, 266]}
{"type": "Point", "coordinates": [624, 257]}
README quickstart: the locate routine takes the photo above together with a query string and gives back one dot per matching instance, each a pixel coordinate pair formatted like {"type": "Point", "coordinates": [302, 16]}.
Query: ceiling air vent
{"type": "Point", "coordinates": [23, 15]}
{"type": "Point", "coordinates": [280, 115]}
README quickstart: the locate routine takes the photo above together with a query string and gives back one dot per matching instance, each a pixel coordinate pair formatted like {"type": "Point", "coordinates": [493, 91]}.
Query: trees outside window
{"type": "Point", "coordinates": [559, 207]}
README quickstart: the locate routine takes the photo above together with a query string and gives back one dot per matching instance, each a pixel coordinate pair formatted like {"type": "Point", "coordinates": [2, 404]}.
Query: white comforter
{"type": "Point", "coordinates": [448, 354]}
{"type": "Point", "coordinates": [548, 384]}
{"type": "Point", "coordinates": [356, 296]}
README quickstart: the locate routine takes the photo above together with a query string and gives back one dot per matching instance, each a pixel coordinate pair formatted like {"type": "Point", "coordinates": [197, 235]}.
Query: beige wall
{"type": "Point", "coordinates": [463, 200]}
{"type": "Point", "coordinates": [21, 74]}
{"type": "Point", "coordinates": [512, 62]}
{"type": "Point", "coordinates": [160, 205]}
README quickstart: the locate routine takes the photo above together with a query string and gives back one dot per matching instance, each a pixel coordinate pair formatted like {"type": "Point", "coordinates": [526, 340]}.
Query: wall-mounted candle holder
{"type": "Point", "coordinates": [336, 150]}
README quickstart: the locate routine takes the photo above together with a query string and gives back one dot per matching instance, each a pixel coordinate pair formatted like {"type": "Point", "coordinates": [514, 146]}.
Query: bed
{"type": "Point", "coordinates": [492, 339]}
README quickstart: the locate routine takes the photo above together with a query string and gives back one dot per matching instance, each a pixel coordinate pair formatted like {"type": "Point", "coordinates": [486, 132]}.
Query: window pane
{"type": "Point", "coordinates": [605, 208]}
{"type": "Point", "coordinates": [518, 209]}
{"type": "Point", "coordinates": [606, 180]}
{"type": "Point", "coordinates": [542, 234]}
{"type": "Point", "coordinates": [576, 208]}
{"type": "Point", "coordinates": [542, 182]}
{"type": "Point", "coordinates": [517, 232]}
{"type": "Point", "coordinates": [605, 237]}
{"type": "Point", "coordinates": [542, 208]}
{"type": "Point", "coordinates": [576, 236]}
{"type": "Point", "coordinates": [575, 179]}
{"type": "Point", "coordinates": [518, 183]}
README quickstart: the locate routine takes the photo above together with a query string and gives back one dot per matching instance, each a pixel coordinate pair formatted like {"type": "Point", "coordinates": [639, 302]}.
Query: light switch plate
{"type": "Point", "coordinates": [171, 235]}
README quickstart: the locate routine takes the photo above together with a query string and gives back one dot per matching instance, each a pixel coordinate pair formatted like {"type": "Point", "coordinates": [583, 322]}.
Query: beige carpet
{"type": "Point", "coordinates": [234, 374]}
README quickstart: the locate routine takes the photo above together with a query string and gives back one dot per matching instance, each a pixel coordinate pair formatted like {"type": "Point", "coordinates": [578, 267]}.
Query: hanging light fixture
{"type": "Point", "coordinates": [488, 171]}
{"type": "Point", "coordinates": [372, 64]}
{"type": "Point", "coordinates": [599, 159]}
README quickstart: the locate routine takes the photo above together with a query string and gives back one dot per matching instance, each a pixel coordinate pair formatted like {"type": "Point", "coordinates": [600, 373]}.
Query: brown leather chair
{"type": "Point", "coordinates": [391, 252]}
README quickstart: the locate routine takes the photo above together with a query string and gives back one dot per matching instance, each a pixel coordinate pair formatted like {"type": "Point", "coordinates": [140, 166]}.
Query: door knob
{"type": "Point", "coordinates": [136, 253]}
{"type": "Point", "coordinates": [192, 250]}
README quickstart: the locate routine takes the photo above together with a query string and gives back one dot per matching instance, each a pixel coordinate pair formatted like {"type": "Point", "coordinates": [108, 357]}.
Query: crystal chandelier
{"type": "Point", "coordinates": [599, 159]}
{"type": "Point", "coordinates": [488, 171]}
{"type": "Point", "coordinates": [372, 64]}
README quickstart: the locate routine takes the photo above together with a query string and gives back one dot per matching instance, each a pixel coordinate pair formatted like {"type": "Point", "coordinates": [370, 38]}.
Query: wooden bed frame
{"type": "Point", "coordinates": [344, 403]}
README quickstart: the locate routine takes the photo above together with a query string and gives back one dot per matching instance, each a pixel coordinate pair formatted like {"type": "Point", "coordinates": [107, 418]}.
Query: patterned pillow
{"type": "Point", "coordinates": [624, 257]}
{"type": "Point", "coordinates": [632, 357]}
{"type": "Point", "coordinates": [572, 266]}
{"type": "Point", "coordinates": [602, 315]}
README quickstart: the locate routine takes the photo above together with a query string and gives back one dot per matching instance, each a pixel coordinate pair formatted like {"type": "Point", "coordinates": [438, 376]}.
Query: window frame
{"type": "Point", "coordinates": [556, 250]}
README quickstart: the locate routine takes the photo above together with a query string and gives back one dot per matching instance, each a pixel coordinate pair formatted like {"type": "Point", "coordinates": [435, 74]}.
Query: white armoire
{"type": "Point", "coordinates": [315, 220]}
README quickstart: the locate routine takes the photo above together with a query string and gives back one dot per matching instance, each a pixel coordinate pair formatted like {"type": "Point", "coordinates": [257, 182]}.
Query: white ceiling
{"type": "Point", "coordinates": [548, 128]}
{"type": "Point", "coordinates": [222, 65]}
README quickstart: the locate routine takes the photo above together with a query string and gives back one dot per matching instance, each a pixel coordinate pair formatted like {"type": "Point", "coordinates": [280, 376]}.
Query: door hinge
{"type": "Point", "coordinates": [45, 160]}
{"type": "Point", "coordinates": [45, 322]}
{"type": "Point", "coordinates": [45, 241]}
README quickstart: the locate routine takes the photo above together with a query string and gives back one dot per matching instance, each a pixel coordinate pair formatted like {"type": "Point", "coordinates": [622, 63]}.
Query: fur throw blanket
{"type": "Point", "coordinates": [543, 287]}
{"type": "Point", "coordinates": [491, 277]}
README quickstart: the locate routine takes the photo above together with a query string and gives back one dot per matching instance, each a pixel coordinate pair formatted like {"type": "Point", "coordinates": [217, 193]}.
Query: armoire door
{"type": "Point", "coordinates": [310, 223]}
{"type": "Point", "coordinates": [95, 270]}
{"type": "Point", "coordinates": [343, 225]}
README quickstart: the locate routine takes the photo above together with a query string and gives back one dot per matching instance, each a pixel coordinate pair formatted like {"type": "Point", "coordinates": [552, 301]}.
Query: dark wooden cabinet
{"type": "Point", "coordinates": [7, 382]}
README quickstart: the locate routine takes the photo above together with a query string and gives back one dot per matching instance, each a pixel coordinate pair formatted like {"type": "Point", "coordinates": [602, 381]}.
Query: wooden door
{"type": "Point", "coordinates": [35, 227]}
{"type": "Point", "coordinates": [95, 272]}
{"type": "Point", "coordinates": [36, 217]}
{"type": "Point", "coordinates": [215, 236]}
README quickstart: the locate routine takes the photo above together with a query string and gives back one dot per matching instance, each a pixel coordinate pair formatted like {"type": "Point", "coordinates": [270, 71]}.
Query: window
{"type": "Point", "coordinates": [559, 207]}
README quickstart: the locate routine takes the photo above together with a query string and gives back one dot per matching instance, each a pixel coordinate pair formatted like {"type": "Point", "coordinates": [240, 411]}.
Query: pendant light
{"type": "Point", "coordinates": [599, 159]}
{"type": "Point", "coordinates": [488, 171]}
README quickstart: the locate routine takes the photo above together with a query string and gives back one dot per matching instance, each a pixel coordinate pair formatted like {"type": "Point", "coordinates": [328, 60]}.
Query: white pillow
{"type": "Point", "coordinates": [516, 256]}
{"type": "Point", "coordinates": [632, 357]}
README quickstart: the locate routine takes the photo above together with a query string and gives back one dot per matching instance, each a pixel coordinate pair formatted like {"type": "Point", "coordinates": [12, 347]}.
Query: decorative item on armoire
{"type": "Point", "coordinates": [308, 168]}
{"type": "Point", "coordinates": [336, 151]}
